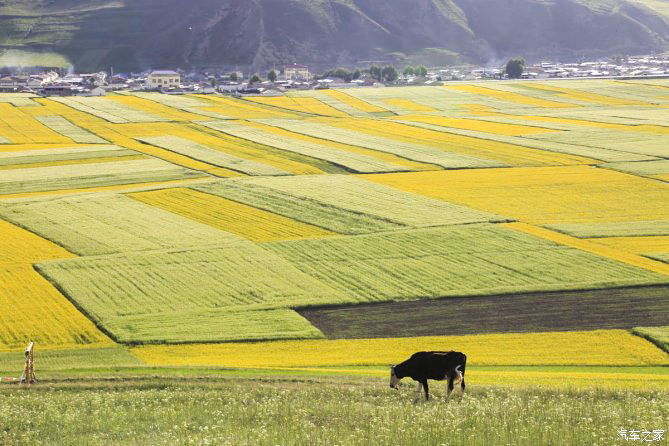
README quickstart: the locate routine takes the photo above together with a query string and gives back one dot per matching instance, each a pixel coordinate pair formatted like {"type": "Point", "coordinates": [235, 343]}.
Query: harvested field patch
{"type": "Point", "coordinates": [230, 216]}
{"type": "Point", "coordinates": [104, 224]}
{"type": "Point", "coordinates": [599, 347]}
{"type": "Point", "coordinates": [515, 313]}
{"type": "Point", "coordinates": [463, 260]}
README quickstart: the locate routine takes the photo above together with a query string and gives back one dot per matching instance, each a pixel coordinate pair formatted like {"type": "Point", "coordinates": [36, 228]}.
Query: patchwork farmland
{"type": "Point", "coordinates": [525, 223]}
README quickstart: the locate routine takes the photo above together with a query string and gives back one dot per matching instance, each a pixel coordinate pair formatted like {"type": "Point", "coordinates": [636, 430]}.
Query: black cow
{"type": "Point", "coordinates": [431, 365]}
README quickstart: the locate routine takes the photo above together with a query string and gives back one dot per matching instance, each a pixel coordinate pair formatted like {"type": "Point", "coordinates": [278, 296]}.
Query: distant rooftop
{"type": "Point", "coordinates": [164, 73]}
{"type": "Point", "coordinates": [296, 66]}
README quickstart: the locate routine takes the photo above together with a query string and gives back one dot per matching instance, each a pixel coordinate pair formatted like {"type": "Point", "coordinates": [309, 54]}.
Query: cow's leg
{"type": "Point", "coordinates": [450, 387]}
{"type": "Point", "coordinates": [462, 387]}
{"type": "Point", "coordinates": [427, 392]}
{"type": "Point", "coordinates": [420, 388]}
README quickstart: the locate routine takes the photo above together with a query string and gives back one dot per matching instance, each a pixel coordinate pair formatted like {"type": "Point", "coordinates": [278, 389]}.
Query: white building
{"type": "Point", "coordinates": [296, 72]}
{"type": "Point", "coordinates": [163, 79]}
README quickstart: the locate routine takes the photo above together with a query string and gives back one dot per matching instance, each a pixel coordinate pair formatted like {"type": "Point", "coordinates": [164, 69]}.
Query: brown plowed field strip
{"type": "Point", "coordinates": [532, 312]}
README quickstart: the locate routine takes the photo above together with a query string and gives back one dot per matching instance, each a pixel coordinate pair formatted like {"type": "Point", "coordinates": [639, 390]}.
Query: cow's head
{"type": "Point", "coordinates": [394, 380]}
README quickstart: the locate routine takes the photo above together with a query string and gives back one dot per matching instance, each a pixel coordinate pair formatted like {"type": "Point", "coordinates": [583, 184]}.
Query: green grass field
{"type": "Point", "coordinates": [314, 411]}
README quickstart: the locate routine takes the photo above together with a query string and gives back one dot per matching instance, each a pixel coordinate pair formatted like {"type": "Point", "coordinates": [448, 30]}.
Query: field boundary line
{"type": "Point", "coordinates": [584, 245]}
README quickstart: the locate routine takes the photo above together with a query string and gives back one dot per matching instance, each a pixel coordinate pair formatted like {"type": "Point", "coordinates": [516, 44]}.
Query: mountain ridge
{"type": "Point", "coordinates": [141, 34]}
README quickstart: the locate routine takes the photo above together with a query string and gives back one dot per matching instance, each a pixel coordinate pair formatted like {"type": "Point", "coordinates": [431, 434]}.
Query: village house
{"type": "Point", "coordinates": [163, 79]}
{"type": "Point", "coordinates": [296, 72]}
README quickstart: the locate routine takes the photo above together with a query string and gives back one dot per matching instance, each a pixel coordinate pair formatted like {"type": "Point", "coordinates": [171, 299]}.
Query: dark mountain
{"type": "Point", "coordinates": [137, 34]}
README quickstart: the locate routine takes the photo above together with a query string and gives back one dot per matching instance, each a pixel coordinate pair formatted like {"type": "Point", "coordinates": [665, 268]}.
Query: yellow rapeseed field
{"type": "Point", "coordinates": [241, 109]}
{"type": "Point", "coordinates": [599, 347]}
{"type": "Point", "coordinates": [354, 102]}
{"type": "Point", "coordinates": [406, 104]}
{"type": "Point", "coordinates": [215, 140]}
{"type": "Point", "coordinates": [33, 310]}
{"type": "Point", "coordinates": [635, 245]}
{"type": "Point", "coordinates": [305, 105]}
{"type": "Point", "coordinates": [122, 135]}
{"type": "Point", "coordinates": [481, 148]}
{"type": "Point", "coordinates": [543, 195]}
{"type": "Point", "coordinates": [384, 156]}
{"type": "Point", "coordinates": [249, 222]}
{"type": "Point", "coordinates": [481, 126]}
{"type": "Point", "coordinates": [21, 246]}
{"type": "Point", "coordinates": [584, 96]}
{"type": "Point", "coordinates": [595, 248]}
{"type": "Point", "coordinates": [155, 108]}
{"type": "Point", "coordinates": [20, 128]}
{"type": "Point", "coordinates": [509, 97]}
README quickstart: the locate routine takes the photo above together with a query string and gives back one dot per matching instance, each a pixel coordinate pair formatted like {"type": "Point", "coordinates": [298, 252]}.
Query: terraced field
{"type": "Point", "coordinates": [526, 223]}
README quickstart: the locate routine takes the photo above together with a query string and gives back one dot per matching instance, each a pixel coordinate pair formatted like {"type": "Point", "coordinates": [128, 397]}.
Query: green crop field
{"type": "Point", "coordinates": [302, 209]}
{"type": "Point", "coordinates": [453, 261]}
{"type": "Point", "coordinates": [109, 224]}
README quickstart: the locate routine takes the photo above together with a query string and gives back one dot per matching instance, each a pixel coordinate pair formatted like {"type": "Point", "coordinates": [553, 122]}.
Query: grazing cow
{"type": "Point", "coordinates": [431, 365]}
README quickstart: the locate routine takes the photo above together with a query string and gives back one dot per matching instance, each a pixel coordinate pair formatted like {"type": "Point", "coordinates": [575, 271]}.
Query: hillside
{"type": "Point", "coordinates": [138, 34]}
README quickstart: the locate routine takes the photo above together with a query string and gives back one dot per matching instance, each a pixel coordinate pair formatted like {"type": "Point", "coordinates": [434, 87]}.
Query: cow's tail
{"type": "Point", "coordinates": [459, 373]}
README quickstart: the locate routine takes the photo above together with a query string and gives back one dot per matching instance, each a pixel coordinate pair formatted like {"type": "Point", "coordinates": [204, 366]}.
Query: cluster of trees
{"type": "Point", "coordinates": [420, 70]}
{"type": "Point", "coordinates": [515, 67]}
{"type": "Point", "coordinates": [514, 70]}
{"type": "Point", "coordinates": [386, 73]}
{"type": "Point", "coordinates": [381, 74]}
{"type": "Point", "coordinates": [342, 73]}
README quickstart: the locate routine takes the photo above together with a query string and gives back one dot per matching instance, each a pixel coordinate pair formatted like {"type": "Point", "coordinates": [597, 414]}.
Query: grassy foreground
{"type": "Point", "coordinates": [310, 410]}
